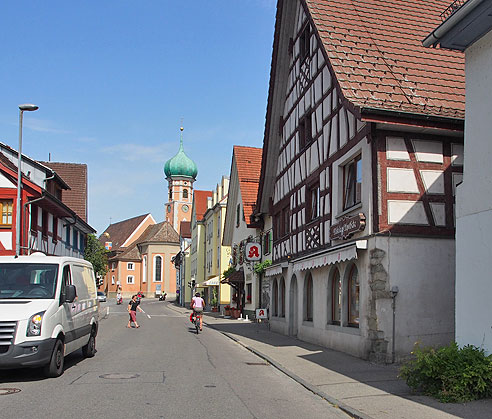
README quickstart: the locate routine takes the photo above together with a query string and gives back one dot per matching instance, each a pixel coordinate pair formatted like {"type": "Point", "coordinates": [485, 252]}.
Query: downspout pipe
{"type": "Point", "coordinates": [394, 293]}
{"type": "Point", "coordinates": [436, 35]}
{"type": "Point", "coordinates": [42, 197]}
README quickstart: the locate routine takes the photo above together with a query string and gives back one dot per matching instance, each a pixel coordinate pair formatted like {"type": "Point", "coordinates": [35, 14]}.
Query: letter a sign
{"type": "Point", "coordinates": [253, 251]}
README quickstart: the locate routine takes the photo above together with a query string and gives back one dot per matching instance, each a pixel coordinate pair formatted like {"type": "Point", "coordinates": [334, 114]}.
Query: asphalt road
{"type": "Point", "coordinates": [161, 370]}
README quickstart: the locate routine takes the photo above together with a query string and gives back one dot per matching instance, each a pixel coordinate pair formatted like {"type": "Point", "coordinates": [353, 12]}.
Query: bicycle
{"type": "Point", "coordinates": [196, 320]}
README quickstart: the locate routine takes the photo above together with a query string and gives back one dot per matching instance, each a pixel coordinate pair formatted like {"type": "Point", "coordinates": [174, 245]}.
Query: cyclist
{"type": "Point", "coordinates": [197, 305]}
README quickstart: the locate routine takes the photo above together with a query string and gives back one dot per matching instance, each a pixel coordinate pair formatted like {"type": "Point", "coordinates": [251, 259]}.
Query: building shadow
{"type": "Point", "coordinates": [382, 377]}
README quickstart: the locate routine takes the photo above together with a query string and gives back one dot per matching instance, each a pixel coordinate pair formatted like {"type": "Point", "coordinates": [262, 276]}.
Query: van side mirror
{"type": "Point", "coordinates": [70, 293]}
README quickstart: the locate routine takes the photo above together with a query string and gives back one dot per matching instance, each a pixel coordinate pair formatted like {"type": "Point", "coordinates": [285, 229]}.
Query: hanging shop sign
{"type": "Point", "coordinates": [108, 245]}
{"type": "Point", "coordinates": [241, 253]}
{"type": "Point", "coordinates": [252, 252]}
{"type": "Point", "coordinates": [234, 258]}
{"type": "Point", "coordinates": [347, 226]}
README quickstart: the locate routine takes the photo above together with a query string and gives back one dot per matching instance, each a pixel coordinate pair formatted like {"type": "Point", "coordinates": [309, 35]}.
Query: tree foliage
{"type": "Point", "coordinates": [96, 254]}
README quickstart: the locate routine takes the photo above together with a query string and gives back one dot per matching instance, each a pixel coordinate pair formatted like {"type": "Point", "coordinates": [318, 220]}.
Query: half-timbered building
{"type": "Point", "coordinates": [363, 148]}
{"type": "Point", "coordinates": [241, 229]}
{"type": "Point", "coordinates": [47, 223]}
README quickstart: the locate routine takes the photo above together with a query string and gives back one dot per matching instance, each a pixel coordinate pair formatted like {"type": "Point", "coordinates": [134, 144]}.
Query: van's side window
{"type": "Point", "coordinates": [66, 280]}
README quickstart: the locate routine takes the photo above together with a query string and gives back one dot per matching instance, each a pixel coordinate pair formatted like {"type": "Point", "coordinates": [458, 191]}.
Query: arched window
{"type": "Point", "coordinates": [170, 194]}
{"type": "Point", "coordinates": [308, 298]}
{"type": "Point", "coordinates": [275, 299]}
{"type": "Point", "coordinates": [158, 269]}
{"type": "Point", "coordinates": [353, 297]}
{"type": "Point", "coordinates": [336, 298]}
{"type": "Point", "coordinates": [282, 298]}
{"type": "Point", "coordinates": [185, 193]}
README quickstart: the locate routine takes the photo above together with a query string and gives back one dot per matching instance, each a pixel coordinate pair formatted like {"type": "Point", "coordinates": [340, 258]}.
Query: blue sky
{"type": "Point", "coordinates": [114, 78]}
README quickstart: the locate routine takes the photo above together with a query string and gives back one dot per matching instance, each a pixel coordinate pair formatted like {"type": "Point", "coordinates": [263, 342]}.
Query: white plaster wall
{"type": "Point", "coordinates": [6, 239]}
{"type": "Point", "coordinates": [6, 183]}
{"type": "Point", "coordinates": [474, 205]}
{"type": "Point", "coordinates": [423, 269]}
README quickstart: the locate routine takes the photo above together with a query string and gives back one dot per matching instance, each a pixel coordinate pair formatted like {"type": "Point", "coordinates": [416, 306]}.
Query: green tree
{"type": "Point", "coordinates": [96, 254]}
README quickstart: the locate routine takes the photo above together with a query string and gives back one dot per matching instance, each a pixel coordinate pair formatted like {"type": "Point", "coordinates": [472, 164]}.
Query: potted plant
{"type": "Point", "coordinates": [235, 313]}
{"type": "Point", "coordinates": [213, 303]}
{"type": "Point", "coordinates": [227, 310]}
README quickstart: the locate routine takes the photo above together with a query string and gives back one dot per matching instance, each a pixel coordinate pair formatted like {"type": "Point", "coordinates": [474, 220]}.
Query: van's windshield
{"type": "Point", "coordinates": [26, 280]}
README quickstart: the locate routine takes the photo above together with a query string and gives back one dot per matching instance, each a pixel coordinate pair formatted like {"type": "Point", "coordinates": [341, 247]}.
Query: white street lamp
{"type": "Point", "coordinates": [22, 108]}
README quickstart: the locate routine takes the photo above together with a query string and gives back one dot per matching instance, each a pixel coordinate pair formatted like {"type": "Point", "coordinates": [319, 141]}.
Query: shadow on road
{"type": "Point", "coordinates": [36, 374]}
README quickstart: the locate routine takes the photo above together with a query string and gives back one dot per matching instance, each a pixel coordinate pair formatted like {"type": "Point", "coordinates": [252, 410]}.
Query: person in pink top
{"type": "Point", "coordinates": [197, 304]}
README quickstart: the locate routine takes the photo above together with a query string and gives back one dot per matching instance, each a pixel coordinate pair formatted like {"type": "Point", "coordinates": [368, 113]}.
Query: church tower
{"type": "Point", "coordinates": [180, 173]}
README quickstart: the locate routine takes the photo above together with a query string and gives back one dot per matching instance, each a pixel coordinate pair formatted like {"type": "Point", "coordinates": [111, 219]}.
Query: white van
{"type": "Point", "coordinates": [48, 309]}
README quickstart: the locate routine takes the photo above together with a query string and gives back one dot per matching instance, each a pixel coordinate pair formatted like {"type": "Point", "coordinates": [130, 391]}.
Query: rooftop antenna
{"type": "Point", "coordinates": [49, 156]}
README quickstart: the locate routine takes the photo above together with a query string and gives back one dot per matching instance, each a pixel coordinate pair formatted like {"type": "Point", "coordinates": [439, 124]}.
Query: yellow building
{"type": "Point", "coordinates": [197, 249]}
{"type": "Point", "coordinates": [217, 256]}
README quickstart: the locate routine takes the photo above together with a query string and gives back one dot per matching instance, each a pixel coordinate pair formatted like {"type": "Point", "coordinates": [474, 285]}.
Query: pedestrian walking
{"type": "Point", "coordinates": [133, 306]}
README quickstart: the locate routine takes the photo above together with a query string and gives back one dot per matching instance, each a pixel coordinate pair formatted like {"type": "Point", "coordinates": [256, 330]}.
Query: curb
{"type": "Point", "coordinates": [336, 403]}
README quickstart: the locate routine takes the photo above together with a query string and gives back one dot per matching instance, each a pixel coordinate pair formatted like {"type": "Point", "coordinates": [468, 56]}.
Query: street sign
{"type": "Point", "coordinates": [261, 313]}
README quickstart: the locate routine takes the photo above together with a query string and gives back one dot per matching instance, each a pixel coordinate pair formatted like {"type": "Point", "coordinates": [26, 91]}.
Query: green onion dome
{"type": "Point", "coordinates": [180, 164]}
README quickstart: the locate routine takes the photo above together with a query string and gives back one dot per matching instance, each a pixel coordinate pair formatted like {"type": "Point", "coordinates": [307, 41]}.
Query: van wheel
{"type": "Point", "coordinates": [89, 350]}
{"type": "Point", "coordinates": [55, 367]}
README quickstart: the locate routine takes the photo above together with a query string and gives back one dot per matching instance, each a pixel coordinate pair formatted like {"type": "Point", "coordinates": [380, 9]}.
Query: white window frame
{"type": "Point", "coordinates": [144, 270]}
{"type": "Point", "coordinates": [132, 282]}
{"type": "Point", "coordinates": [112, 280]}
{"type": "Point", "coordinates": [345, 181]}
{"type": "Point", "coordinates": [113, 266]}
{"type": "Point", "coordinates": [130, 266]}
{"type": "Point", "coordinates": [154, 271]}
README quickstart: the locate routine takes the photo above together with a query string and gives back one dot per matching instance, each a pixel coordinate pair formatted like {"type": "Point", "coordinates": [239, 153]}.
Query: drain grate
{"type": "Point", "coordinates": [256, 363]}
{"type": "Point", "coordinates": [209, 386]}
{"type": "Point", "coordinates": [7, 391]}
{"type": "Point", "coordinates": [119, 376]}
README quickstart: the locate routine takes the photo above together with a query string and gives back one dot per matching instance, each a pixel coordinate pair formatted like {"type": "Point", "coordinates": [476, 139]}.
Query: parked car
{"type": "Point", "coordinates": [101, 296]}
{"type": "Point", "coordinates": [49, 309]}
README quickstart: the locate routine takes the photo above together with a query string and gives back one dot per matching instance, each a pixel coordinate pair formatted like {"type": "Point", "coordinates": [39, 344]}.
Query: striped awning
{"type": "Point", "coordinates": [273, 270]}
{"type": "Point", "coordinates": [212, 282]}
{"type": "Point", "coordinates": [327, 258]}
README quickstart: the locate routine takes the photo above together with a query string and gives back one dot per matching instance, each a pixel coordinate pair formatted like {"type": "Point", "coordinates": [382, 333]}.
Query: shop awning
{"type": "Point", "coordinates": [274, 269]}
{"type": "Point", "coordinates": [212, 282]}
{"type": "Point", "coordinates": [327, 258]}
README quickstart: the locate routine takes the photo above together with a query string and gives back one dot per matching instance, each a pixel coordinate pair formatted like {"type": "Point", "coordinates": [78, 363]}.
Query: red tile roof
{"type": "Point", "coordinates": [200, 203]}
{"type": "Point", "coordinates": [159, 233]}
{"type": "Point", "coordinates": [375, 49]}
{"type": "Point", "coordinates": [118, 233]}
{"type": "Point", "coordinates": [75, 175]}
{"type": "Point", "coordinates": [248, 163]}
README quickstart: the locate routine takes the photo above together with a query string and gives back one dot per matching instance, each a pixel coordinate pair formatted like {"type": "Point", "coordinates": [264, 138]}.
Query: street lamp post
{"type": "Point", "coordinates": [22, 108]}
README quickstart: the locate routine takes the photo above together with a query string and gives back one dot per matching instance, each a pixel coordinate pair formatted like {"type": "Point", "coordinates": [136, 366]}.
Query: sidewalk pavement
{"type": "Point", "coordinates": [360, 388]}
